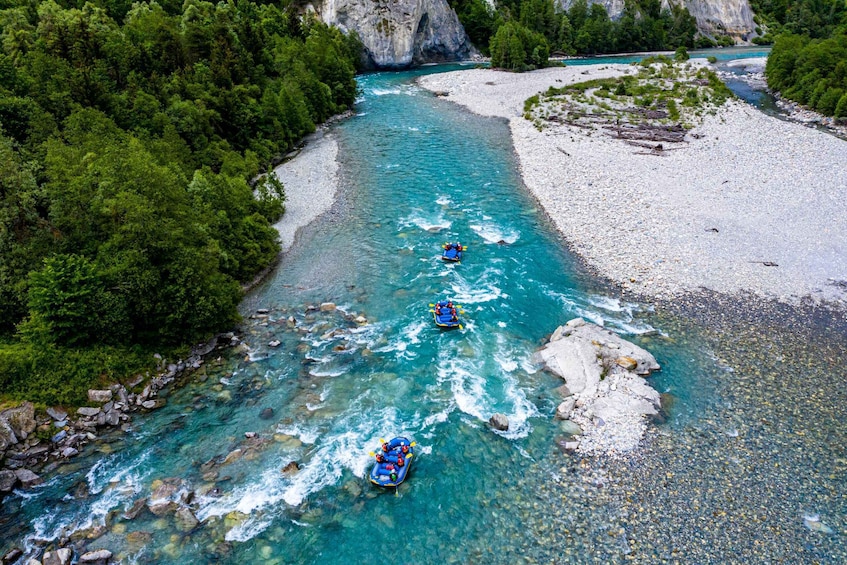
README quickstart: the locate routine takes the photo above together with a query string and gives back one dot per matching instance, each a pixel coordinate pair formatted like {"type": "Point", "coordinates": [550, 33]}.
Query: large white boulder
{"type": "Point", "coordinates": [604, 373]}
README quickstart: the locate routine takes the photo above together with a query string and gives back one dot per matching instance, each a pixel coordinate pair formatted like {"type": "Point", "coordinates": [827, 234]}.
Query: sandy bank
{"type": "Point", "coordinates": [311, 180]}
{"type": "Point", "coordinates": [752, 203]}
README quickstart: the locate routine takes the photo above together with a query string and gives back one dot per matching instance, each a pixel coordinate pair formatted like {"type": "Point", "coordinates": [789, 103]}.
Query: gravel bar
{"type": "Point", "coordinates": [751, 204]}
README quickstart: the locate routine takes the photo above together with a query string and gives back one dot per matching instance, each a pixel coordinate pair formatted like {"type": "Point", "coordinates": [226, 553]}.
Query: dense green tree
{"type": "Point", "coordinates": [130, 134]}
{"type": "Point", "coordinates": [584, 28]}
{"type": "Point", "coordinates": [812, 72]}
{"type": "Point", "coordinates": [517, 48]}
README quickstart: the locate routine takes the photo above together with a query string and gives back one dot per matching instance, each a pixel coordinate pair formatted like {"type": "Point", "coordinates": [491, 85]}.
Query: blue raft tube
{"type": "Point", "coordinates": [393, 461]}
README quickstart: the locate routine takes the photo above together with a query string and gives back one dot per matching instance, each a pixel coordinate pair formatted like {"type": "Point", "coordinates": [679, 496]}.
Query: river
{"type": "Point", "coordinates": [418, 171]}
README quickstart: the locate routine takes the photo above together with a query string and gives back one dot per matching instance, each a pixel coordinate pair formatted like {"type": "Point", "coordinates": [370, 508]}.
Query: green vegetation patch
{"type": "Point", "coordinates": [658, 103]}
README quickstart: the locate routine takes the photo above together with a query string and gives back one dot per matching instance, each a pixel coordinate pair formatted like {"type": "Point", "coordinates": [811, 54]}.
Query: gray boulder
{"type": "Point", "coordinates": [59, 557]}
{"type": "Point", "coordinates": [563, 411]}
{"type": "Point", "coordinates": [21, 419]}
{"type": "Point", "coordinates": [499, 422]}
{"type": "Point", "coordinates": [27, 478]}
{"type": "Point", "coordinates": [88, 411]}
{"type": "Point", "coordinates": [99, 396]}
{"type": "Point", "coordinates": [7, 436]}
{"type": "Point", "coordinates": [8, 480]}
{"type": "Point", "coordinates": [57, 414]}
{"type": "Point", "coordinates": [185, 520]}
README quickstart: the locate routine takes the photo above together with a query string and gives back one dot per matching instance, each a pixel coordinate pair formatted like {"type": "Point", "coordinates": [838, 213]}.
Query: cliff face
{"type": "Point", "coordinates": [732, 17]}
{"type": "Point", "coordinates": [400, 33]}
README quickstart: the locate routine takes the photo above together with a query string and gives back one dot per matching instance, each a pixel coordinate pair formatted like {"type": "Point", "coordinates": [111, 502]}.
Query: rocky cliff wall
{"type": "Point", "coordinates": [732, 17]}
{"type": "Point", "coordinates": [400, 33]}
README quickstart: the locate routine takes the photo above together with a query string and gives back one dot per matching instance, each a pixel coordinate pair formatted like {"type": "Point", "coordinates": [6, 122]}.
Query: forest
{"type": "Point", "coordinates": [132, 133]}
{"type": "Point", "coordinates": [808, 62]}
{"type": "Point", "coordinates": [519, 32]}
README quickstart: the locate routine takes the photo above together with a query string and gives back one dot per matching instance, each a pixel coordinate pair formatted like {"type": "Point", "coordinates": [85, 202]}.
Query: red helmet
{"type": "Point", "coordinates": [405, 448]}
{"type": "Point", "coordinates": [385, 446]}
{"type": "Point", "coordinates": [400, 462]}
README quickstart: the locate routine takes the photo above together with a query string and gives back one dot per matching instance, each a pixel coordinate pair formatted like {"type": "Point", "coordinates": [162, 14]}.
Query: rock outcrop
{"type": "Point", "coordinates": [721, 17]}
{"type": "Point", "coordinates": [400, 33]}
{"type": "Point", "coordinates": [605, 392]}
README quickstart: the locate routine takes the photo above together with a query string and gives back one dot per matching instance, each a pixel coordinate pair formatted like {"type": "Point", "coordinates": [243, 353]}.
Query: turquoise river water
{"type": "Point", "coordinates": [416, 171]}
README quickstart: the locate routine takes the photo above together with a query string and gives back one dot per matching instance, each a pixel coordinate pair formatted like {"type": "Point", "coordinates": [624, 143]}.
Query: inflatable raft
{"type": "Point", "coordinates": [453, 252]}
{"type": "Point", "coordinates": [446, 314]}
{"type": "Point", "coordinates": [393, 461]}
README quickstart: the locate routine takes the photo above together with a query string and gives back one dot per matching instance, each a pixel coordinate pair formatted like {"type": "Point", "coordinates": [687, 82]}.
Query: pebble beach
{"type": "Point", "coordinates": [310, 178]}
{"type": "Point", "coordinates": [750, 204]}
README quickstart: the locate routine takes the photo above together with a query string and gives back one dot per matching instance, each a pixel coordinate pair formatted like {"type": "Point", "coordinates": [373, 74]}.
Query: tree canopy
{"type": "Point", "coordinates": [130, 135]}
{"type": "Point", "coordinates": [808, 62]}
{"type": "Point", "coordinates": [583, 29]}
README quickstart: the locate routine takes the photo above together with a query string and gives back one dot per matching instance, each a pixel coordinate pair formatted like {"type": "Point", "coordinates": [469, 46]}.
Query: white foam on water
{"type": "Point", "coordinates": [484, 289]}
{"type": "Point", "coordinates": [328, 372]}
{"type": "Point", "coordinates": [493, 233]}
{"type": "Point", "coordinates": [509, 357]}
{"type": "Point", "coordinates": [508, 364]}
{"type": "Point", "coordinates": [408, 336]}
{"type": "Point", "coordinates": [301, 524]}
{"type": "Point", "coordinates": [605, 311]}
{"type": "Point", "coordinates": [383, 91]}
{"type": "Point", "coordinates": [334, 452]}
{"type": "Point", "coordinates": [467, 386]}
{"type": "Point", "coordinates": [110, 487]}
{"type": "Point", "coordinates": [443, 200]}
{"type": "Point", "coordinates": [437, 418]}
{"type": "Point", "coordinates": [426, 223]}
{"type": "Point", "coordinates": [306, 435]}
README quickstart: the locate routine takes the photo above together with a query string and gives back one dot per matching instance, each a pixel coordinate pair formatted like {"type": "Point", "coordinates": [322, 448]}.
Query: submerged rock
{"type": "Point", "coordinates": [185, 520]}
{"type": "Point", "coordinates": [100, 555]}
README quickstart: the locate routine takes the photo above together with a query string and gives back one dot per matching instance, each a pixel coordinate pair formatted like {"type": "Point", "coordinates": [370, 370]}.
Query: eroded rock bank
{"type": "Point", "coordinates": [606, 399]}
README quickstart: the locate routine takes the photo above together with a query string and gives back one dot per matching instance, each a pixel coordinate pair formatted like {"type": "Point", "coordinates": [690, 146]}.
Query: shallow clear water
{"type": "Point", "coordinates": [417, 171]}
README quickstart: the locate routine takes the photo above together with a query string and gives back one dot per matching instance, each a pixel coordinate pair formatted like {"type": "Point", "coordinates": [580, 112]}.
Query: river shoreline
{"type": "Point", "coordinates": [310, 178]}
{"type": "Point", "coordinates": [750, 205]}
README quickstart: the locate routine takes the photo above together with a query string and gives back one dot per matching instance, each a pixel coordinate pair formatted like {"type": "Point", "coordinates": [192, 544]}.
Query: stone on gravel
{"type": "Point", "coordinates": [27, 478]}
{"type": "Point", "coordinates": [99, 396]}
{"type": "Point", "coordinates": [57, 414]}
{"type": "Point", "coordinates": [8, 480]}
